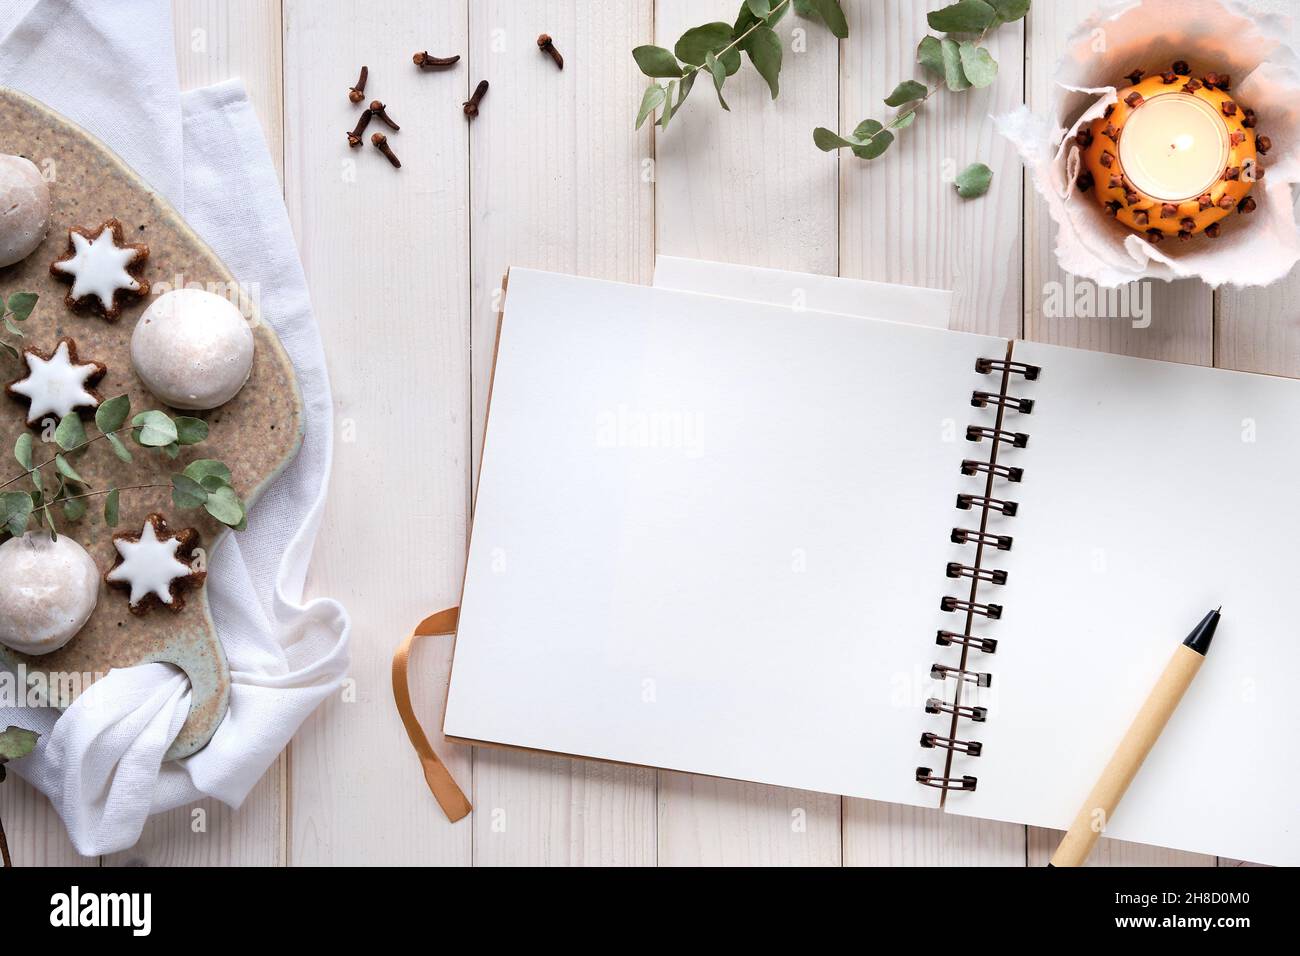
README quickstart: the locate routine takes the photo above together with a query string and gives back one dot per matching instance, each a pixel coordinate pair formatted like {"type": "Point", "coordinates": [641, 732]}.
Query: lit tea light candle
{"type": "Point", "coordinates": [1174, 148]}
{"type": "Point", "coordinates": [1174, 156]}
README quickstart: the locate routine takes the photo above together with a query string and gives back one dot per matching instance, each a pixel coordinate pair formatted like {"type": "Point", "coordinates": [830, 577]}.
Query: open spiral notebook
{"type": "Point", "coordinates": [879, 559]}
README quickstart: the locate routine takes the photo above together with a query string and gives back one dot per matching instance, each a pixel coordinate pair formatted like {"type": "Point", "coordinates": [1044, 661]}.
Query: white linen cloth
{"type": "Point", "coordinates": [100, 762]}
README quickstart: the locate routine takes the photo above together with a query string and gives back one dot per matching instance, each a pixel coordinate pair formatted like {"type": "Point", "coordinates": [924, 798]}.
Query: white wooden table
{"type": "Point", "coordinates": [404, 267]}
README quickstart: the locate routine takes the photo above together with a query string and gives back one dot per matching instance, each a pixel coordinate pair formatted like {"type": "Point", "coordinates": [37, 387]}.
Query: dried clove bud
{"type": "Point", "coordinates": [1130, 196]}
{"type": "Point", "coordinates": [1226, 202]}
{"type": "Point", "coordinates": [1134, 100]}
{"type": "Point", "coordinates": [1181, 68]}
{"type": "Point", "coordinates": [1213, 230]}
{"type": "Point", "coordinates": [1205, 201]}
{"type": "Point", "coordinates": [546, 45]}
{"type": "Point", "coordinates": [1107, 159]}
{"type": "Point", "coordinates": [355, 93]}
{"type": "Point", "coordinates": [1188, 223]}
{"type": "Point", "coordinates": [1262, 144]}
{"type": "Point", "coordinates": [377, 108]}
{"type": "Point", "coordinates": [381, 142]}
{"type": "Point", "coordinates": [354, 137]}
{"type": "Point", "coordinates": [427, 61]}
{"type": "Point", "coordinates": [1246, 205]}
{"type": "Point", "coordinates": [1236, 137]}
{"type": "Point", "coordinates": [1212, 79]}
{"type": "Point", "coordinates": [1084, 182]}
{"type": "Point", "coordinates": [1232, 172]}
{"type": "Point", "coordinates": [1155, 236]}
{"type": "Point", "coordinates": [1110, 108]}
{"type": "Point", "coordinates": [1257, 172]}
{"type": "Point", "coordinates": [1111, 132]}
{"type": "Point", "coordinates": [1248, 118]}
{"type": "Point", "coordinates": [1229, 108]}
{"type": "Point", "coordinates": [1192, 85]}
{"type": "Point", "coordinates": [1135, 77]}
{"type": "Point", "coordinates": [1168, 77]}
{"type": "Point", "coordinates": [1141, 217]}
{"type": "Point", "coordinates": [1184, 235]}
{"type": "Point", "coordinates": [1083, 137]}
{"type": "Point", "coordinates": [1168, 211]}
{"type": "Point", "coordinates": [471, 104]}
{"type": "Point", "coordinates": [1114, 206]}
{"type": "Point", "coordinates": [1116, 181]}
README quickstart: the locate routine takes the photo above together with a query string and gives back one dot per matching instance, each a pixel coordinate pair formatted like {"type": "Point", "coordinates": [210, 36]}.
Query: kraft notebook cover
{"type": "Point", "coordinates": [724, 537]}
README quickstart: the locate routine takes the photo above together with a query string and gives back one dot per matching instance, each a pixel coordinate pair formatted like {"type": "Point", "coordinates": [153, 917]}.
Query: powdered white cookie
{"type": "Point", "coordinates": [192, 349]}
{"type": "Point", "coordinates": [48, 590]}
{"type": "Point", "coordinates": [24, 209]}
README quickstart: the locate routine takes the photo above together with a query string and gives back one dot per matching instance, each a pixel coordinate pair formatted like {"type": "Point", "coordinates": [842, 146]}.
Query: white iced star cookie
{"type": "Point", "coordinates": [57, 384]}
{"type": "Point", "coordinates": [102, 269]}
{"type": "Point", "coordinates": [155, 565]}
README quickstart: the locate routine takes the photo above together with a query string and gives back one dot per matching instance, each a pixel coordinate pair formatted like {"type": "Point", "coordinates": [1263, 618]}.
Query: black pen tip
{"type": "Point", "coordinates": [1203, 633]}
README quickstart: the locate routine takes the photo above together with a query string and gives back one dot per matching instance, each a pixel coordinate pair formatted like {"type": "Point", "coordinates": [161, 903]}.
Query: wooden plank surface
{"type": "Point", "coordinates": [404, 269]}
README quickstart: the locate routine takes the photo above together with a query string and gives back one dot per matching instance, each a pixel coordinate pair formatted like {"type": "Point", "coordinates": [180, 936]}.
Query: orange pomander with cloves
{"type": "Point", "coordinates": [1187, 163]}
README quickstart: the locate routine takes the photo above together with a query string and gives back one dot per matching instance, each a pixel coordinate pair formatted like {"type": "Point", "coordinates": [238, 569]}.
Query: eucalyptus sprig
{"type": "Point", "coordinates": [15, 743]}
{"type": "Point", "coordinates": [716, 48]}
{"type": "Point", "coordinates": [14, 310]}
{"type": "Point", "coordinates": [205, 483]}
{"type": "Point", "coordinates": [960, 64]}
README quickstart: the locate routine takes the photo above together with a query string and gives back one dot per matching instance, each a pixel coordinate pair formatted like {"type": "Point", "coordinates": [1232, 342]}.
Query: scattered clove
{"type": "Point", "coordinates": [1262, 144]}
{"type": "Point", "coordinates": [381, 141]}
{"type": "Point", "coordinates": [354, 137]}
{"type": "Point", "coordinates": [1246, 205]}
{"type": "Point", "coordinates": [377, 108]}
{"type": "Point", "coordinates": [1236, 138]}
{"type": "Point", "coordinates": [1168, 211]}
{"type": "Point", "coordinates": [1232, 172]}
{"type": "Point", "coordinates": [1229, 108]}
{"type": "Point", "coordinates": [427, 61]}
{"type": "Point", "coordinates": [1226, 202]}
{"type": "Point", "coordinates": [1107, 159]}
{"type": "Point", "coordinates": [1130, 196]}
{"type": "Point", "coordinates": [1116, 181]}
{"type": "Point", "coordinates": [471, 105]}
{"type": "Point", "coordinates": [1205, 201]}
{"type": "Point", "coordinates": [1141, 217]}
{"type": "Point", "coordinates": [1111, 132]}
{"type": "Point", "coordinates": [1184, 234]}
{"type": "Point", "coordinates": [355, 94]}
{"type": "Point", "coordinates": [1213, 230]}
{"type": "Point", "coordinates": [545, 44]}
{"type": "Point", "coordinates": [1188, 223]}
{"type": "Point", "coordinates": [1134, 100]}
{"type": "Point", "coordinates": [1168, 77]}
{"type": "Point", "coordinates": [1192, 85]}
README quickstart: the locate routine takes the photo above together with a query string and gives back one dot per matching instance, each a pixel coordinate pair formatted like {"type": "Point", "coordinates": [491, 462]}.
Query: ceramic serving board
{"type": "Point", "coordinates": [256, 434]}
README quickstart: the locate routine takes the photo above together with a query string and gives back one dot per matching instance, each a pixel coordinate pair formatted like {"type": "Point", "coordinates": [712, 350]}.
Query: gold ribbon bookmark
{"type": "Point", "coordinates": [445, 790]}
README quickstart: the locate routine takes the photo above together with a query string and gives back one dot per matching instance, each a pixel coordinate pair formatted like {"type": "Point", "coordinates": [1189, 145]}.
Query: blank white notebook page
{"type": "Point", "coordinates": [710, 535]}
{"type": "Point", "coordinates": [1152, 493]}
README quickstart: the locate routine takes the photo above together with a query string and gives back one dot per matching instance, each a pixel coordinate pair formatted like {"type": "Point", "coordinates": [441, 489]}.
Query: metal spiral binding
{"type": "Point", "coordinates": [973, 570]}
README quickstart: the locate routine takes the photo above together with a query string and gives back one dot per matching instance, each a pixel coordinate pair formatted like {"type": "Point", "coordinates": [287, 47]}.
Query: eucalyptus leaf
{"type": "Point", "coordinates": [759, 8]}
{"type": "Point", "coordinates": [188, 493]}
{"type": "Point", "coordinates": [119, 449]}
{"type": "Point", "coordinates": [669, 105]}
{"type": "Point", "coordinates": [37, 482]}
{"type": "Point", "coordinates": [904, 120]}
{"type": "Point", "coordinates": [965, 16]}
{"type": "Point", "coordinates": [875, 137]}
{"type": "Point", "coordinates": [205, 468]}
{"type": "Point", "coordinates": [10, 351]}
{"type": "Point", "coordinates": [66, 470]}
{"type": "Point", "coordinates": [190, 431]}
{"type": "Point", "coordinates": [906, 92]}
{"type": "Point", "coordinates": [13, 327]}
{"type": "Point", "coordinates": [23, 450]}
{"type": "Point", "coordinates": [16, 743]}
{"type": "Point", "coordinates": [74, 509]}
{"type": "Point", "coordinates": [70, 433]}
{"type": "Point", "coordinates": [828, 140]}
{"type": "Point", "coordinates": [833, 16]}
{"type": "Point", "coordinates": [656, 61]}
{"type": "Point", "coordinates": [171, 451]}
{"type": "Point", "coordinates": [153, 429]}
{"type": "Point", "coordinates": [978, 65]}
{"type": "Point", "coordinates": [805, 8]}
{"type": "Point", "coordinates": [974, 181]}
{"type": "Point", "coordinates": [684, 90]}
{"type": "Point", "coordinates": [15, 510]}
{"type": "Point", "coordinates": [719, 74]}
{"type": "Point", "coordinates": [224, 505]}
{"type": "Point", "coordinates": [765, 53]}
{"type": "Point", "coordinates": [111, 511]}
{"type": "Point", "coordinates": [111, 415]}
{"type": "Point", "coordinates": [954, 76]}
{"type": "Point", "coordinates": [698, 42]}
{"type": "Point", "coordinates": [21, 305]}
{"type": "Point", "coordinates": [1009, 11]}
{"type": "Point", "coordinates": [653, 99]}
